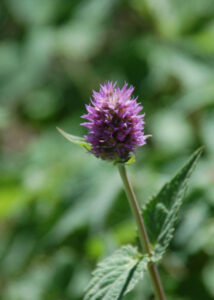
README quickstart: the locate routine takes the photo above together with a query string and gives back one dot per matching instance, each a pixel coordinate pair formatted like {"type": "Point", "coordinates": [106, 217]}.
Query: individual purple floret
{"type": "Point", "coordinates": [115, 128]}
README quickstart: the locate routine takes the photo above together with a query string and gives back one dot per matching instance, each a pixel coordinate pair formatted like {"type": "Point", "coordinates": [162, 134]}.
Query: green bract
{"type": "Point", "coordinates": [75, 139]}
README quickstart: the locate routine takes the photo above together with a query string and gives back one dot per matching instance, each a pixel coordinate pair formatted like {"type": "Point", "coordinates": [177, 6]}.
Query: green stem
{"type": "Point", "coordinates": [144, 239]}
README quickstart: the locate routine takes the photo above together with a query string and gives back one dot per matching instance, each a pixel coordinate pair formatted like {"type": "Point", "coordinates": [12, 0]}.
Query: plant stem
{"type": "Point", "coordinates": [144, 239]}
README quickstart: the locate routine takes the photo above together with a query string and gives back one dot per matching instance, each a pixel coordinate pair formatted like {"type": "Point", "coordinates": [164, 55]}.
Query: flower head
{"type": "Point", "coordinates": [115, 127]}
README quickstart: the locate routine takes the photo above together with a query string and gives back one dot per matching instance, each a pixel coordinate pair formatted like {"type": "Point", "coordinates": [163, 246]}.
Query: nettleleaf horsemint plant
{"type": "Point", "coordinates": [115, 130]}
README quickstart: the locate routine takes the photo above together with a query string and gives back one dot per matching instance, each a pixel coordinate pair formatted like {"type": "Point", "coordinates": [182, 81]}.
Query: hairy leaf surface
{"type": "Point", "coordinates": [117, 274]}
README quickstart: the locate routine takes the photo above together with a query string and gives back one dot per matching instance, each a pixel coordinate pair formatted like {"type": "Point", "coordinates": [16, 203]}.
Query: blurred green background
{"type": "Point", "coordinates": [62, 210]}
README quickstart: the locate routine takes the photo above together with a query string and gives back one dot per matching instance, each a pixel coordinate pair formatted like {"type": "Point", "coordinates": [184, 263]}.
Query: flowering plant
{"type": "Point", "coordinates": [115, 131]}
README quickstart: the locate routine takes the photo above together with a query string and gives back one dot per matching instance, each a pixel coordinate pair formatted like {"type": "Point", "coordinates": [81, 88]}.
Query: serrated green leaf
{"type": "Point", "coordinates": [75, 139]}
{"type": "Point", "coordinates": [160, 213]}
{"type": "Point", "coordinates": [117, 275]}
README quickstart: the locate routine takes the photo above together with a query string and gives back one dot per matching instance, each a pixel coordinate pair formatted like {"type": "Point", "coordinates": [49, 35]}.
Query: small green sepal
{"type": "Point", "coordinates": [75, 139]}
{"type": "Point", "coordinates": [131, 160]}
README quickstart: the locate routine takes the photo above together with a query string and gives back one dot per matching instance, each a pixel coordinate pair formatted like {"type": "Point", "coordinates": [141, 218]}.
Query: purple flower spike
{"type": "Point", "coordinates": [115, 128]}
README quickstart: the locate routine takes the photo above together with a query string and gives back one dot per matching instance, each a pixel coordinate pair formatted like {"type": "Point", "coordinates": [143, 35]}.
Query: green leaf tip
{"type": "Point", "coordinates": [117, 274]}
{"type": "Point", "coordinates": [75, 139]}
{"type": "Point", "coordinates": [160, 213]}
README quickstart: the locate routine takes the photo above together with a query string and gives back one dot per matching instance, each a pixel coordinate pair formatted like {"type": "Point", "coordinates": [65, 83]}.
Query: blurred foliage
{"type": "Point", "coordinates": [61, 209]}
